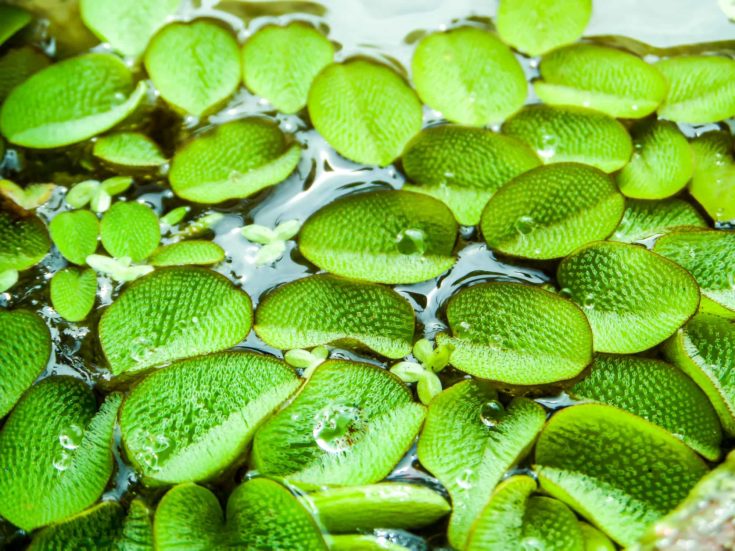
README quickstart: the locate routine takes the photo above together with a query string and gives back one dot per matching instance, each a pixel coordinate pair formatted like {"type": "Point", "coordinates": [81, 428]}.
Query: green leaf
{"type": "Point", "coordinates": [514, 520]}
{"type": "Point", "coordinates": [127, 25]}
{"type": "Point", "coordinates": [634, 299]}
{"type": "Point", "coordinates": [709, 256]}
{"type": "Point", "coordinates": [17, 65]}
{"type": "Point", "coordinates": [701, 88]}
{"type": "Point", "coordinates": [260, 515]}
{"type": "Point", "coordinates": [517, 334]}
{"type": "Point", "coordinates": [714, 173]}
{"type": "Point", "coordinates": [105, 524]}
{"type": "Point", "coordinates": [8, 278]}
{"type": "Point", "coordinates": [594, 540]}
{"type": "Point", "coordinates": [561, 134]}
{"type": "Point", "coordinates": [73, 293]}
{"type": "Point", "coordinates": [198, 252]}
{"type": "Point", "coordinates": [324, 309]}
{"type": "Point", "coordinates": [28, 198]}
{"type": "Point", "coordinates": [350, 425]}
{"type": "Point", "coordinates": [130, 230]}
{"type": "Point", "coordinates": [129, 149]}
{"type": "Point", "coordinates": [606, 79]}
{"type": "Point", "coordinates": [661, 165]}
{"type": "Point", "coordinates": [119, 270]}
{"type": "Point", "coordinates": [469, 441]}
{"type": "Point", "coordinates": [644, 219]}
{"type": "Point", "coordinates": [551, 210]}
{"type": "Point", "coordinates": [24, 240]}
{"type": "Point", "coordinates": [648, 388]}
{"type": "Point", "coordinates": [617, 470]}
{"type": "Point", "coordinates": [170, 314]}
{"type": "Point", "coordinates": [705, 350]}
{"type": "Point", "coordinates": [233, 161]}
{"type": "Point", "coordinates": [365, 110]}
{"type": "Point", "coordinates": [56, 450]}
{"type": "Point", "coordinates": [195, 66]}
{"type": "Point", "coordinates": [191, 421]}
{"type": "Point", "coordinates": [75, 234]}
{"type": "Point", "coordinates": [25, 349]}
{"type": "Point", "coordinates": [383, 236]}
{"type": "Point", "coordinates": [468, 75]}
{"type": "Point", "coordinates": [536, 26]}
{"type": "Point", "coordinates": [384, 505]}
{"type": "Point", "coordinates": [463, 167]}
{"type": "Point", "coordinates": [12, 19]}
{"type": "Point", "coordinates": [280, 63]}
{"type": "Point", "coordinates": [365, 542]}
{"type": "Point", "coordinates": [70, 102]}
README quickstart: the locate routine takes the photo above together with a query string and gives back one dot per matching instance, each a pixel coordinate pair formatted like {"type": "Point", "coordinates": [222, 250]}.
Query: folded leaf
{"type": "Point", "coordinates": [634, 299]}
{"type": "Point", "coordinates": [469, 76]}
{"type": "Point", "coordinates": [469, 441]}
{"type": "Point", "coordinates": [196, 252]}
{"type": "Point", "coordinates": [129, 149]}
{"type": "Point", "coordinates": [17, 65]}
{"type": "Point", "coordinates": [463, 167]}
{"type": "Point", "coordinates": [644, 219]}
{"type": "Point", "coordinates": [324, 309]}
{"type": "Point", "coordinates": [130, 230]}
{"type": "Point", "coordinates": [73, 293]}
{"type": "Point", "coordinates": [56, 451]}
{"type": "Point", "coordinates": [350, 425]}
{"type": "Point", "coordinates": [714, 173]}
{"type": "Point", "coordinates": [75, 234]}
{"type": "Point", "coordinates": [365, 110]}
{"type": "Point", "coordinates": [382, 236]}
{"type": "Point", "coordinates": [173, 313]}
{"type": "Point", "coordinates": [24, 240]}
{"type": "Point", "coordinates": [12, 19]}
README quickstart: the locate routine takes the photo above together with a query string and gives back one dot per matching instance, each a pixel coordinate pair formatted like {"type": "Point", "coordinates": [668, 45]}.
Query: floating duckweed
{"type": "Point", "coordinates": [75, 234]}
{"type": "Point", "coordinates": [129, 149]}
{"type": "Point", "coordinates": [714, 174]}
{"type": "Point", "coordinates": [73, 293]}
{"type": "Point", "coordinates": [644, 219]}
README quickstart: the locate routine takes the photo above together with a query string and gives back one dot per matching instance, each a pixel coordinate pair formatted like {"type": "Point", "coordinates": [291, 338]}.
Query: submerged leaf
{"type": "Point", "coordinates": [170, 314]}
{"type": "Point", "coordinates": [324, 309]}
{"type": "Point", "coordinates": [129, 149]}
{"type": "Point", "coordinates": [349, 425]}
{"type": "Point", "coordinates": [194, 252]}
{"type": "Point", "coordinates": [130, 230]}
{"type": "Point", "coordinates": [382, 236]}
{"type": "Point", "coordinates": [75, 234]}
{"type": "Point", "coordinates": [24, 240]}
{"type": "Point", "coordinates": [644, 219]}
{"type": "Point", "coordinates": [713, 183]}
{"type": "Point", "coordinates": [73, 293]}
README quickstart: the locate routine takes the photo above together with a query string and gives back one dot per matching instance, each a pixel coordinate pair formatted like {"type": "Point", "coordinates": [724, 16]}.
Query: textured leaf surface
{"type": "Point", "coordinates": [75, 234]}
{"type": "Point", "coordinates": [170, 314]}
{"type": "Point", "coordinates": [468, 75]}
{"type": "Point", "coordinates": [658, 392]}
{"type": "Point", "coordinates": [234, 161]}
{"type": "Point", "coordinates": [17, 65]}
{"type": "Point", "coordinates": [516, 334]}
{"type": "Point", "coordinates": [384, 505]}
{"type": "Point", "coordinates": [535, 26]}
{"type": "Point", "coordinates": [24, 241]}
{"type": "Point", "coordinates": [366, 111]}
{"type": "Point", "coordinates": [73, 293]}
{"type": "Point", "coordinates": [12, 19]}
{"type": "Point", "coordinates": [25, 348]}
{"type": "Point", "coordinates": [127, 25]}
{"type": "Point", "coordinates": [710, 257]}
{"type": "Point", "coordinates": [197, 252]}
{"type": "Point", "coordinates": [617, 470]}
{"type": "Point", "coordinates": [70, 102]}
{"type": "Point", "coordinates": [280, 63]}
{"type": "Point", "coordinates": [463, 167]}
{"type": "Point", "coordinates": [606, 79]}
{"type": "Point", "coordinates": [469, 441]}
{"type": "Point", "coordinates": [701, 88]}
{"type": "Point", "coordinates": [561, 134]}
{"type": "Point", "coordinates": [260, 515]}
{"type": "Point", "coordinates": [349, 426]}
{"type": "Point", "coordinates": [129, 149]}
{"type": "Point", "coordinates": [130, 230]}
{"type": "Point", "coordinates": [195, 66]}
{"type": "Point", "coordinates": [643, 219]}
{"type": "Point", "coordinates": [323, 309]}
{"type": "Point", "coordinates": [705, 350]}
{"type": "Point", "coordinates": [633, 298]}
{"type": "Point", "coordinates": [191, 421]}
{"type": "Point", "coordinates": [56, 451]}
{"type": "Point", "coordinates": [714, 174]}
{"type": "Point", "coordinates": [551, 210]}
{"type": "Point", "coordinates": [661, 165]}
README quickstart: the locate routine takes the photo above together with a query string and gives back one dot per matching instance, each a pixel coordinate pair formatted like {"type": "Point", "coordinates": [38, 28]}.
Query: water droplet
{"type": "Point", "coordinates": [411, 241]}
{"type": "Point", "coordinates": [589, 301]}
{"type": "Point", "coordinates": [531, 544]}
{"type": "Point", "coordinates": [141, 349]}
{"type": "Point", "coordinates": [565, 292]}
{"type": "Point", "coordinates": [62, 461]}
{"type": "Point", "coordinates": [525, 225]}
{"type": "Point", "coordinates": [337, 427]}
{"type": "Point", "coordinates": [195, 320]}
{"type": "Point", "coordinates": [492, 413]}
{"type": "Point", "coordinates": [71, 438]}
{"type": "Point", "coordinates": [692, 252]}
{"type": "Point", "coordinates": [465, 479]}
{"type": "Point", "coordinates": [463, 328]}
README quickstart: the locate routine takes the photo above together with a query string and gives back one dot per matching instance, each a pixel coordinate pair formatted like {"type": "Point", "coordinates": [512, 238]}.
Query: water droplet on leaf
{"type": "Point", "coordinates": [336, 427]}
{"type": "Point", "coordinates": [411, 241]}
{"type": "Point", "coordinates": [492, 413]}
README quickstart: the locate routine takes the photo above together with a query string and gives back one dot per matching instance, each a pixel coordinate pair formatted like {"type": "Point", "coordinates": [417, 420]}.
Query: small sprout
{"type": "Point", "coordinates": [201, 225]}
{"type": "Point", "coordinates": [8, 278]}
{"type": "Point", "coordinates": [28, 198]}
{"type": "Point", "coordinates": [433, 360]}
{"type": "Point", "coordinates": [172, 218]}
{"type": "Point", "coordinates": [97, 194]}
{"type": "Point", "coordinates": [306, 360]}
{"type": "Point", "coordinates": [273, 241]}
{"type": "Point", "coordinates": [119, 269]}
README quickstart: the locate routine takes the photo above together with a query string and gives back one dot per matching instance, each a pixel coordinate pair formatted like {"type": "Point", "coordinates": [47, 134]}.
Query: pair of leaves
{"type": "Point", "coordinates": [73, 292]}
{"type": "Point", "coordinates": [29, 197]}
{"type": "Point", "coordinates": [75, 234]}
{"type": "Point", "coordinates": [643, 219]}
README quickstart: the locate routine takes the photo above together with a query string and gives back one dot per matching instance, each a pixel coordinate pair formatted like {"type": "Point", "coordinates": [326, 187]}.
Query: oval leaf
{"type": "Point", "coordinates": [634, 299]}
{"type": "Point", "coordinates": [12, 19]}
{"type": "Point", "coordinates": [129, 149]}
{"type": "Point", "coordinates": [383, 236]}
{"type": "Point", "coordinates": [714, 174]}
{"type": "Point", "coordinates": [551, 210]}
{"type": "Point", "coordinates": [196, 252]}
{"type": "Point", "coordinates": [130, 230]}
{"type": "Point", "coordinates": [24, 240]}
{"type": "Point", "coordinates": [73, 293]}
{"type": "Point", "coordinates": [323, 309]}
{"type": "Point", "coordinates": [75, 234]}
{"type": "Point", "coordinates": [170, 314]}
{"type": "Point", "coordinates": [644, 219]}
